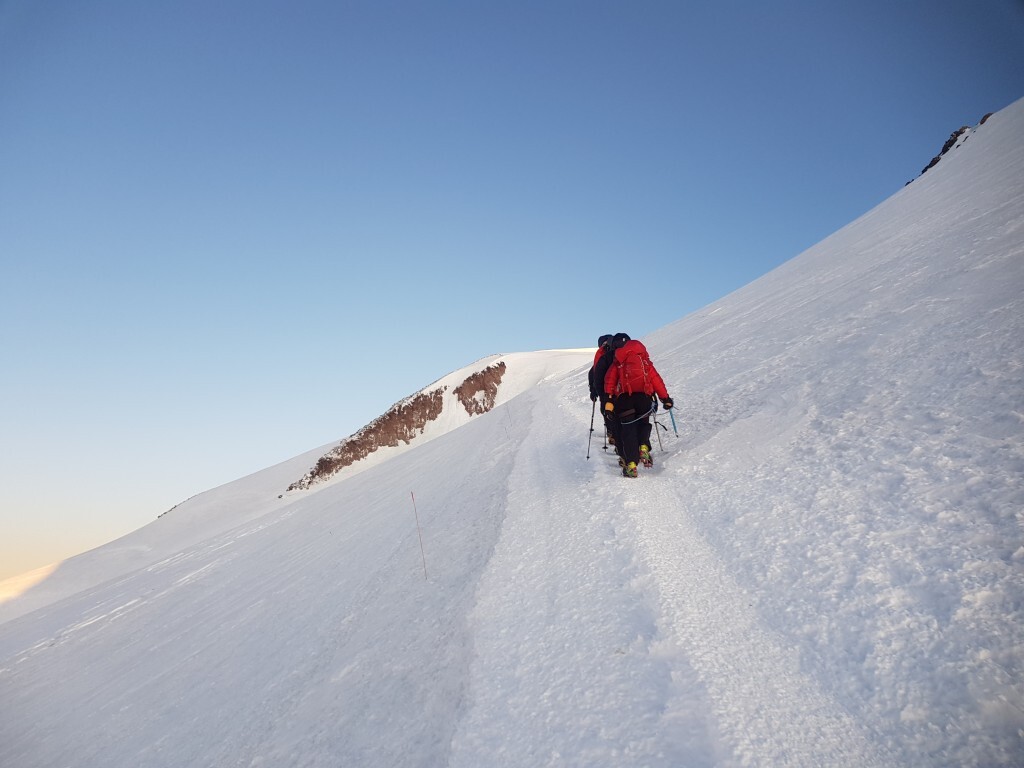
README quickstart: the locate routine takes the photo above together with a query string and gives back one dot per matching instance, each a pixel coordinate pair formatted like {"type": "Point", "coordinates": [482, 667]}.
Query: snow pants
{"type": "Point", "coordinates": [633, 413]}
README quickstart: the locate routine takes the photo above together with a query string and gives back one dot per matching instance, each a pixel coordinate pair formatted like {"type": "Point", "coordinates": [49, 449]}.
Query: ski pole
{"type": "Point", "coordinates": [593, 406]}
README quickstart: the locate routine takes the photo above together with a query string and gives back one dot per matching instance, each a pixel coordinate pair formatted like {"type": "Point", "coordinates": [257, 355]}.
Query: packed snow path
{"type": "Point", "coordinates": [768, 712]}
{"type": "Point", "coordinates": [633, 646]}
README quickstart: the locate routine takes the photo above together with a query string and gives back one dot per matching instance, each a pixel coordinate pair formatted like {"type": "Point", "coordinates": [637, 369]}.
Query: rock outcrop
{"type": "Point", "coordinates": [955, 139]}
{"type": "Point", "coordinates": [479, 391]}
{"type": "Point", "coordinates": [951, 142]}
{"type": "Point", "coordinates": [404, 421]}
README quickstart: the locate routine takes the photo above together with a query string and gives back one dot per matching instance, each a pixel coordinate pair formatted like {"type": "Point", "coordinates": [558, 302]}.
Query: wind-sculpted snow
{"type": "Point", "coordinates": [854, 452]}
{"type": "Point", "coordinates": [825, 567]}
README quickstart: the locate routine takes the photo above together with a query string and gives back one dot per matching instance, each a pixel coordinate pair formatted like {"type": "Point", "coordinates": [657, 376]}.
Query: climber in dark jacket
{"type": "Point", "coordinates": [602, 359]}
{"type": "Point", "coordinates": [600, 367]}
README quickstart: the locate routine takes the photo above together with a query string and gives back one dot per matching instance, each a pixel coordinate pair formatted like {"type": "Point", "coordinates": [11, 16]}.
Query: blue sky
{"type": "Point", "coordinates": [232, 232]}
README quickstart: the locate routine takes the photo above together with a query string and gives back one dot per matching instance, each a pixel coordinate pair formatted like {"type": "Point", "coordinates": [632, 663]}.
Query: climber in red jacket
{"type": "Point", "coordinates": [631, 384]}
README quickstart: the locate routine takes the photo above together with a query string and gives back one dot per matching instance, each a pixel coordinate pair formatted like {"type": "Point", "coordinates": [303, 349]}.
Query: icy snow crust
{"type": "Point", "coordinates": [823, 569]}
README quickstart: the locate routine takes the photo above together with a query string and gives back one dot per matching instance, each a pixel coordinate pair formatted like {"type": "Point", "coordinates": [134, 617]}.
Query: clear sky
{"type": "Point", "coordinates": [231, 232]}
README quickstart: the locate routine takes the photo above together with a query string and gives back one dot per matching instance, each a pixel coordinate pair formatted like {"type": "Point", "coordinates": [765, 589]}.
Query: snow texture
{"type": "Point", "coordinates": [823, 568]}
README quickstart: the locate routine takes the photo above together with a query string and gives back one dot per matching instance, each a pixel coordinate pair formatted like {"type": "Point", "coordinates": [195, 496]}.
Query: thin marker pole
{"type": "Point", "coordinates": [419, 533]}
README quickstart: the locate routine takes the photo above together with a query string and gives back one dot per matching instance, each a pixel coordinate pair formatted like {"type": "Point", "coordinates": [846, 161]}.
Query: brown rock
{"type": "Point", "coordinates": [404, 421]}
{"type": "Point", "coordinates": [401, 423]}
{"type": "Point", "coordinates": [479, 391]}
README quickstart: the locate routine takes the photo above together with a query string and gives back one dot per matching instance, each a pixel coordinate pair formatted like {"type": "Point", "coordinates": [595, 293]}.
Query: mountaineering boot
{"type": "Point", "coordinates": [645, 456]}
{"type": "Point", "coordinates": [629, 470]}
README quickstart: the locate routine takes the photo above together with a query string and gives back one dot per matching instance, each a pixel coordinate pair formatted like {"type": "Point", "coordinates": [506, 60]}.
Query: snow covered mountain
{"type": "Point", "coordinates": [824, 568]}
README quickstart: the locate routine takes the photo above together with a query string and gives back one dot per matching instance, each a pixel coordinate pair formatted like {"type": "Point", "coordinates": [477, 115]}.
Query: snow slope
{"type": "Point", "coordinates": [824, 568]}
{"type": "Point", "coordinates": [233, 504]}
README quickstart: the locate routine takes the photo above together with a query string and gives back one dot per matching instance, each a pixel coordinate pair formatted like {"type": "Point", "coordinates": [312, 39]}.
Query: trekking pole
{"type": "Point", "coordinates": [593, 406]}
{"type": "Point", "coordinates": [658, 426]}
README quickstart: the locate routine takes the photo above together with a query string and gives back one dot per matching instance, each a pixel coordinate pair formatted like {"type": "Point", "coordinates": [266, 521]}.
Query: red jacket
{"type": "Point", "coordinates": [632, 371]}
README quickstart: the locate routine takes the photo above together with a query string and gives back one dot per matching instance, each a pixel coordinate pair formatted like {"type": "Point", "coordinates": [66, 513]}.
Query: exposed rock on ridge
{"type": "Point", "coordinates": [401, 423]}
{"type": "Point", "coordinates": [958, 137]}
{"type": "Point", "coordinates": [479, 391]}
{"type": "Point", "coordinates": [404, 421]}
{"type": "Point", "coordinates": [952, 141]}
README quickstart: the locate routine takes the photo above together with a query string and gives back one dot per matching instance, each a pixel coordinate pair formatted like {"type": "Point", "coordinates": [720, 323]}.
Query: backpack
{"type": "Point", "coordinates": [634, 369]}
